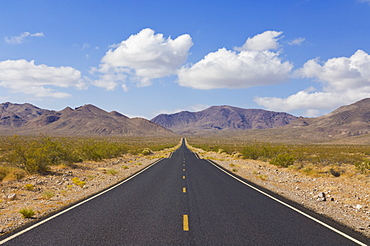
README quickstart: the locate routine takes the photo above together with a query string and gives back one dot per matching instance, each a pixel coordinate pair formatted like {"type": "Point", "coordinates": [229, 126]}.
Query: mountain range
{"type": "Point", "coordinates": [347, 122]}
{"type": "Point", "coordinates": [222, 118]}
{"type": "Point", "coordinates": [88, 120]}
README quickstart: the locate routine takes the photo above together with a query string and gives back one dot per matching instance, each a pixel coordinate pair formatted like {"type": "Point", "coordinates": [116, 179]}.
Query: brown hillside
{"type": "Point", "coordinates": [222, 118]}
{"type": "Point", "coordinates": [87, 120]}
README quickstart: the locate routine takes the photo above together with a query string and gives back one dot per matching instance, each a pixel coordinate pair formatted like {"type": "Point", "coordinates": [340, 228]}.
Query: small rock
{"type": "Point", "coordinates": [358, 206]}
{"type": "Point", "coordinates": [321, 197]}
{"type": "Point", "coordinates": [11, 196]}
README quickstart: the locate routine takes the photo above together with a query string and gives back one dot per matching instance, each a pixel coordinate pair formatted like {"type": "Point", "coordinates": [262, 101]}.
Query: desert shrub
{"type": "Point", "coordinates": [112, 172]}
{"type": "Point", "coordinates": [146, 152]}
{"type": "Point", "coordinates": [364, 166]}
{"type": "Point", "coordinates": [251, 152]}
{"type": "Point", "coordinates": [11, 173]}
{"type": "Point", "coordinates": [27, 213]}
{"type": "Point", "coordinates": [29, 186]}
{"type": "Point", "coordinates": [220, 151]}
{"type": "Point", "coordinates": [262, 177]}
{"type": "Point", "coordinates": [97, 150]}
{"type": "Point", "coordinates": [48, 194]}
{"type": "Point", "coordinates": [36, 155]}
{"type": "Point", "coordinates": [283, 160]}
{"type": "Point", "coordinates": [262, 150]}
{"type": "Point", "coordinates": [78, 182]}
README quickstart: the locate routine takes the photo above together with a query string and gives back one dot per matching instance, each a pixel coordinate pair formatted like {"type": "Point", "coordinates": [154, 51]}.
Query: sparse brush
{"type": "Point", "coordinates": [29, 187]}
{"type": "Point", "coordinates": [262, 177]}
{"type": "Point", "coordinates": [364, 166]}
{"type": "Point", "coordinates": [283, 160]}
{"type": "Point", "coordinates": [78, 182]}
{"type": "Point", "coordinates": [112, 172]}
{"type": "Point", "coordinates": [48, 194]}
{"type": "Point", "coordinates": [27, 213]}
{"type": "Point", "coordinates": [234, 170]}
{"type": "Point", "coordinates": [146, 152]}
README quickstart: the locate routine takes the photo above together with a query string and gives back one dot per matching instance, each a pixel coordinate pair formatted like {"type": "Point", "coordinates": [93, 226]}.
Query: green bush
{"type": "Point", "coordinates": [27, 213]}
{"type": "Point", "coordinates": [112, 172]}
{"type": "Point", "coordinates": [29, 186]}
{"type": "Point", "coordinates": [48, 194]}
{"type": "Point", "coordinates": [283, 160]}
{"type": "Point", "coordinates": [364, 166]}
{"type": "Point", "coordinates": [78, 182]}
{"type": "Point", "coordinates": [146, 152]}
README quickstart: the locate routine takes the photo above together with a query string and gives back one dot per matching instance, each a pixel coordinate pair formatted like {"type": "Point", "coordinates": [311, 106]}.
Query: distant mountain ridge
{"type": "Point", "coordinates": [87, 120]}
{"type": "Point", "coordinates": [346, 121]}
{"type": "Point", "coordinates": [222, 118]}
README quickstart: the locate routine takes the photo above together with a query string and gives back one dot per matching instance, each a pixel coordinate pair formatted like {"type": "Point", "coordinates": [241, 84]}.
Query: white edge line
{"type": "Point", "coordinates": [295, 209]}
{"type": "Point", "coordinates": [76, 205]}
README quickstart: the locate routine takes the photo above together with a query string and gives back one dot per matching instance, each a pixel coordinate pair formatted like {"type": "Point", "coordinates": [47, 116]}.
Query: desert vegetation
{"type": "Point", "coordinates": [313, 159]}
{"type": "Point", "coordinates": [21, 155]}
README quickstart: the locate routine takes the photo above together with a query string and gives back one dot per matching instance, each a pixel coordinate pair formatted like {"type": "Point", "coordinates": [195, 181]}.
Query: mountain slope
{"type": "Point", "coordinates": [348, 124]}
{"type": "Point", "coordinates": [222, 118]}
{"type": "Point", "coordinates": [349, 120]}
{"type": "Point", "coordinates": [14, 115]}
{"type": "Point", "coordinates": [87, 120]}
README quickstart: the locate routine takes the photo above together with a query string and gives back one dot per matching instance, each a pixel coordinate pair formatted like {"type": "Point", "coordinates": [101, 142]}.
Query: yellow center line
{"type": "Point", "coordinates": [183, 177]}
{"type": "Point", "coordinates": [185, 222]}
{"type": "Point", "coordinates": [184, 190]}
{"type": "Point", "coordinates": [183, 169]}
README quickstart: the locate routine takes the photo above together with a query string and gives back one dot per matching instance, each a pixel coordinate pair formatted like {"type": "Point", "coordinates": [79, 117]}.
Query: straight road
{"type": "Point", "coordinates": [181, 200]}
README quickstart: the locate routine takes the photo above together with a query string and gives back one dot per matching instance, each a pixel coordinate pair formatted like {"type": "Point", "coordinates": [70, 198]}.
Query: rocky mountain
{"type": "Point", "coordinates": [349, 120]}
{"type": "Point", "coordinates": [348, 124]}
{"type": "Point", "coordinates": [222, 118]}
{"type": "Point", "coordinates": [16, 115]}
{"type": "Point", "coordinates": [87, 120]}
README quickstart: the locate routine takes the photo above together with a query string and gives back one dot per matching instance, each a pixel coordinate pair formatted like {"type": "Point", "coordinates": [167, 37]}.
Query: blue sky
{"type": "Point", "coordinates": [143, 58]}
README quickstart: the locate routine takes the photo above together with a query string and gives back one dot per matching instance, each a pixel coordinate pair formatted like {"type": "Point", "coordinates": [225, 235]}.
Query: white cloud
{"type": "Point", "coordinates": [21, 76]}
{"type": "Point", "coordinates": [192, 108]}
{"type": "Point", "coordinates": [86, 45]}
{"type": "Point", "coordinates": [233, 69]}
{"type": "Point", "coordinates": [22, 37]}
{"type": "Point", "coordinates": [143, 57]}
{"type": "Point", "coordinates": [344, 79]}
{"type": "Point", "coordinates": [297, 41]}
{"type": "Point", "coordinates": [267, 40]}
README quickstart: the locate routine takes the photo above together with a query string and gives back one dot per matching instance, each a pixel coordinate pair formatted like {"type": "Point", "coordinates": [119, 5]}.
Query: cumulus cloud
{"type": "Point", "coordinates": [141, 58]}
{"type": "Point", "coordinates": [265, 41]}
{"type": "Point", "coordinates": [192, 108]}
{"type": "Point", "coordinates": [344, 80]}
{"type": "Point", "coordinates": [297, 41]}
{"type": "Point", "coordinates": [22, 37]}
{"type": "Point", "coordinates": [245, 67]}
{"type": "Point", "coordinates": [21, 76]}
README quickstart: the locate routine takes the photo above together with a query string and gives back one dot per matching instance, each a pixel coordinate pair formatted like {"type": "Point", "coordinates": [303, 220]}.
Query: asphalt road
{"type": "Point", "coordinates": [181, 200]}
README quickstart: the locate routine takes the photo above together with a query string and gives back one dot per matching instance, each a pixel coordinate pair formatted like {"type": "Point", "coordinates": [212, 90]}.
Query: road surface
{"type": "Point", "coordinates": [182, 200]}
